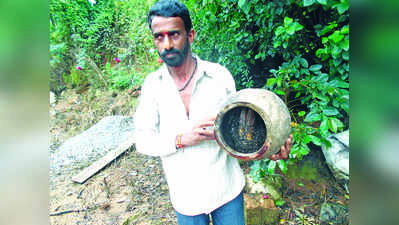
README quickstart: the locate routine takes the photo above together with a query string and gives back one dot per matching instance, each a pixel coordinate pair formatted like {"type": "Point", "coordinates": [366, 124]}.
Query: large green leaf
{"type": "Point", "coordinates": [343, 84]}
{"type": "Point", "coordinates": [279, 31]}
{"type": "Point", "coordinates": [287, 21]}
{"type": "Point", "coordinates": [345, 106]}
{"type": "Point", "coordinates": [241, 3]}
{"type": "Point", "coordinates": [282, 165]}
{"type": "Point", "coordinates": [311, 117]}
{"type": "Point", "coordinates": [303, 62]}
{"type": "Point", "coordinates": [324, 128]}
{"type": "Point", "coordinates": [280, 92]}
{"type": "Point", "coordinates": [330, 111]}
{"type": "Point", "coordinates": [334, 124]}
{"type": "Point", "coordinates": [271, 82]}
{"type": "Point", "coordinates": [336, 36]}
{"type": "Point", "coordinates": [323, 2]}
{"type": "Point", "coordinates": [315, 140]}
{"type": "Point", "coordinates": [308, 2]}
{"type": "Point", "coordinates": [342, 7]}
{"type": "Point", "coordinates": [271, 167]}
{"type": "Point", "coordinates": [304, 150]}
{"type": "Point", "coordinates": [315, 67]}
{"type": "Point", "coordinates": [291, 29]}
{"type": "Point", "coordinates": [344, 44]}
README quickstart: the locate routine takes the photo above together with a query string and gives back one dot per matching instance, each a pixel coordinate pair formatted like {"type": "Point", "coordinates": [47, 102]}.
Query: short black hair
{"type": "Point", "coordinates": [170, 8]}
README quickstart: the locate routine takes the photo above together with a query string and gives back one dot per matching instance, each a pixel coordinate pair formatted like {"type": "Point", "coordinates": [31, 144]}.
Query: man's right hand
{"type": "Point", "coordinates": [200, 132]}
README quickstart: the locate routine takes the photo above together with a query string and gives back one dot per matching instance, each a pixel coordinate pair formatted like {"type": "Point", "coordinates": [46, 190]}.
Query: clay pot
{"type": "Point", "coordinates": [250, 121]}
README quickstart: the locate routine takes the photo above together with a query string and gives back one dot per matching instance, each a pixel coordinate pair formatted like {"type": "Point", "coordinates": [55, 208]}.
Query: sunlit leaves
{"type": "Point", "coordinates": [282, 165]}
{"type": "Point", "coordinates": [241, 3]}
{"type": "Point", "coordinates": [330, 111]}
{"type": "Point", "coordinates": [311, 117]}
{"type": "Point", "coordinates": [334, 124]}
{"type": "Point", "coordinates": [315, 67]}
{"type": "Point", "coordinates": [308, 2]}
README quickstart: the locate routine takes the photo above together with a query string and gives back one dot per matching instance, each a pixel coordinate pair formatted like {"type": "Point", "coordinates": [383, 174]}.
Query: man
{"type": "Point", "coordinates": [177, 103]}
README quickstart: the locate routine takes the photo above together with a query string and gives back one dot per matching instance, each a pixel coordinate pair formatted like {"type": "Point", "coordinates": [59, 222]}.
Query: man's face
{"type": "Point", "coordinates": [171, 39]}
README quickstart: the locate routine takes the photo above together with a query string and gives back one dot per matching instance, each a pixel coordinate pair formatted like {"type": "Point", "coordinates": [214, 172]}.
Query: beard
{"type": "Point", "coordinates": [178, 58]}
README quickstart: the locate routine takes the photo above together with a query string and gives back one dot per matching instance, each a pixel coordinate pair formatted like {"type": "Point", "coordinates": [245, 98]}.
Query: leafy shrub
{"type": "Point", "coordinates": [120, 78]}
{"type": "Point", "coordinates": [297, 49]}
{"type": "Point", "coordinates": [92, 35]}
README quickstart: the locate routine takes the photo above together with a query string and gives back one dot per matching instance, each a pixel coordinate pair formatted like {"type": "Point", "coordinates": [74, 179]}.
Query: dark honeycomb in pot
{"type": "Point", "coordinates": [243, 130]}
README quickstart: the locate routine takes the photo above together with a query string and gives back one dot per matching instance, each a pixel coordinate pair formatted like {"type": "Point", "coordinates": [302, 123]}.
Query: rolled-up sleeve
{"type": "Point", "coordinates": [149, 140]}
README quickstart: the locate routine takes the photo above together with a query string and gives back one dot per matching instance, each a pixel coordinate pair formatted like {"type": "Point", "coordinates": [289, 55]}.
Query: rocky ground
{"type": "Point", "coordinates": [132, 189]}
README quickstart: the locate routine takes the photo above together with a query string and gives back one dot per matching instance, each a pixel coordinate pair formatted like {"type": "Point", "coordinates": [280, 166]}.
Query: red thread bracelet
{"type": "Point", "coordinates": [178, 142]}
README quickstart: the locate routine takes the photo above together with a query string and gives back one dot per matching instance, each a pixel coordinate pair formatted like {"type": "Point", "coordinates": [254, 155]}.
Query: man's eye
{"type": "Point", "coordinates": [157, 36]}
{"type": "Point", "coordinates": [175, 34]}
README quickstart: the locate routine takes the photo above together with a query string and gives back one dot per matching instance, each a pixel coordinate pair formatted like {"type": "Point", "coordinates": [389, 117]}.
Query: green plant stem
{"type": "Point", "coordinates": [98, 71]}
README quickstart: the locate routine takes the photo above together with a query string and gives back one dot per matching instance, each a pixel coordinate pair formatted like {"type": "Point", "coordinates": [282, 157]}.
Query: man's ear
{"type": "Point", "coordinates": [191, 36]}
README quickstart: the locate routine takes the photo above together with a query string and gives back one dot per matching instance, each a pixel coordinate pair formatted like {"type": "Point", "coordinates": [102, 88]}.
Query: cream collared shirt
{"type": "Point", "coordinates": [201, 178]}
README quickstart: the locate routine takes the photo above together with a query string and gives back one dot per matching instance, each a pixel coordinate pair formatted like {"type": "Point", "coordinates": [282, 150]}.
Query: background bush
{"type": "Point", "coordinates": [298, 49]}
{"type": "Point", "coordinates": [91, 35]}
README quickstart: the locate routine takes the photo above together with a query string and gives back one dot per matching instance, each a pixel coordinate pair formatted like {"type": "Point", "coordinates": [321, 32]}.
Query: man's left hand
{"type": "Point", "coordinates": [284, 150]}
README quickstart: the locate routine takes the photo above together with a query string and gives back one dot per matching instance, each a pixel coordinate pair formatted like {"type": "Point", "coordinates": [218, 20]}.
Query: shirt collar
{"type": "Point", "coordinates": [202, 68]}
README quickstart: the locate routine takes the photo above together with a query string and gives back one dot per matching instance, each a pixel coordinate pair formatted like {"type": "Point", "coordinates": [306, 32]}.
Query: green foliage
{"type": "Point", "coordinates": [297, 49]}
{"type": "Point", "coordinates": [120, 78]}
{"type": "Point", "coordinates": [92, 35]}
{"type": "Point", "coordinates": [279, 202]}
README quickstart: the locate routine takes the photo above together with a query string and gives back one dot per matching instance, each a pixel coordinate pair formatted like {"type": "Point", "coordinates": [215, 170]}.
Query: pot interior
{"type": "Point", "coordinates": [243, 129]}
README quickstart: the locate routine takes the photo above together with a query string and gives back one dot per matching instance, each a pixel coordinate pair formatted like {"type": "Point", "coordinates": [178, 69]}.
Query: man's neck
{"type": "Point", "coordinates": [183, 71]}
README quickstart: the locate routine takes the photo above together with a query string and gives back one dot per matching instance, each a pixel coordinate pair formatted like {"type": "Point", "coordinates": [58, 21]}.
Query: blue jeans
{"type": "Point", "coordinates": [231, 213]}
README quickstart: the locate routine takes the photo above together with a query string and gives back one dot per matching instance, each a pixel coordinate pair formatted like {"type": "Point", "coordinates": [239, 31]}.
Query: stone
{"type": "Point", "coordinates": [337, 156]}
{"type": "Point", "coordinates": [84, 149]}
{"type": "Point", "coordinates": [333, 213]}
{"type": "Point", "coordinates": [53, 99]}
{"type": "Point", "coordinates": [268, 185]}
{"type": "Point", "coordinates": [259, 210]}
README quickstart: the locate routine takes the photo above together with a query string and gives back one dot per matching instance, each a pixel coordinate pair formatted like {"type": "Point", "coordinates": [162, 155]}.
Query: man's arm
{"type": "Point", "coordinates": [149, 141]}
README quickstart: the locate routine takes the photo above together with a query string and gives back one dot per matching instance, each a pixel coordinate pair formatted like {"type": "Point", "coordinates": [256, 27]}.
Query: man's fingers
{"type": "Point", "coordinates": [207, 122]}
{"type": "Point", "coordinates": [288, 145]}
{"type": "Point", "coordinates": [205, 134]}
{"type": "Point", "coordinates": [283, 152]}
{"type": "Point", "coordinates": [274, 157]}
{"type": "Point", "coordinates": [289, 140]}
{"type": "Point", "coordinates": [210, 118]}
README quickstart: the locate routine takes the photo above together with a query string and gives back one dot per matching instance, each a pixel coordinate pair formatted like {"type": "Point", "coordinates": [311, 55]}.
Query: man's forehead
{"type": "Point", "coordinates": [165, 24]}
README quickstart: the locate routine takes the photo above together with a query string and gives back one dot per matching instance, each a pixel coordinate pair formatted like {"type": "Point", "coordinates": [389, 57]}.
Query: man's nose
{"type": "Point", "coordinates": [167, 43]}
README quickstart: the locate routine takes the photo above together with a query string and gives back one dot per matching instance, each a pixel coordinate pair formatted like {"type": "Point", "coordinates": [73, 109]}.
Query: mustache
{"type": "Point", "coordinates": [170, 51]}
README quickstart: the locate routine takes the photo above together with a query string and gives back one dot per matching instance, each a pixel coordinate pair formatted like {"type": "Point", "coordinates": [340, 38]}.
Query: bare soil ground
{"type": "Point", "coordinates": [132, 189]}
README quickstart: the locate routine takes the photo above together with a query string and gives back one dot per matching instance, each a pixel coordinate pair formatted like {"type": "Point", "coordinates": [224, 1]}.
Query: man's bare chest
{"type": "Point", "coordinates": [186, 96]}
